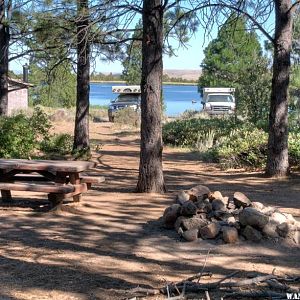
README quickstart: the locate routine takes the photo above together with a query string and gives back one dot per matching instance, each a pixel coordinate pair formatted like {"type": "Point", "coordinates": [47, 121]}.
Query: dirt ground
{"type": "Point", "coordinates": [112, 241]}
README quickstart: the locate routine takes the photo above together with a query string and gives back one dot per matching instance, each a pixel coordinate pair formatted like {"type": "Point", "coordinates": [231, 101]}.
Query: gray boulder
{"type": "Point", "coordinates": [198, 192]}
{"type": "Point", "coordinates": [241, 200]}
{"type": "Point", "coordinates": [218, 204]}
{"type": "Point", "coordinates": [189, 223]}
{"type": "Point", "coordinates": [270, 229]}
{"type": "Point", "coordinates": [188, 208]}
{"type": "Point", "coordinates": [182, 197]}
{"type": "Point", "coordinates": [268, 210]}
{"type": "Point", "coordinates": [257, 205]}
{"type": "Point", "coordinates": [289, 232]}
{"type": "Point", "coordinates": [203, 206]}
{"type": "Point", "coordinates": [251, 216]}
{"type": "Point", "coordinates": [190, 235]}
{"type": "Point", "coordinates": [252, 234]}
{"type": "Point", "coordinates": [170, 215]}
{"type": "Point", "coordinates": [210, 231]}
{"type": "Point", "coordinates": [278, 217]}
{"type": "Point", "coordinates": [230, 235]}
{"type": "Point", "coordinates": [178, 223]}
{"type": "Point", "coordinates": [289, 218]}
{"type": "Point", "coordinates": [215, 195]}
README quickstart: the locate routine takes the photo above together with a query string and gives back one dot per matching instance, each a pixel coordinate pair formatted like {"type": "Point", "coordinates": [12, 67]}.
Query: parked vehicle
{"type": "Point", "coordinates": [129, 96]}
{"type": "Point", "coordinates": [218, 101]}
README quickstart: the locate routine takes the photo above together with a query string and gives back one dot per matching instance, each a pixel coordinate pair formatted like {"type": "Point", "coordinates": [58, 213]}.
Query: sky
{"type": "Point", "coordinates": [185, 58]}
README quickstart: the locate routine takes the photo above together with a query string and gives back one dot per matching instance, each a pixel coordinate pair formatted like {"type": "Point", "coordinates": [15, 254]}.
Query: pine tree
{"type": "Point", "coordinates": [234, 59]}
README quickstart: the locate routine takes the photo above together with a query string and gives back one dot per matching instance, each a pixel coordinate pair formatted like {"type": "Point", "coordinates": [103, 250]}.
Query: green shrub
{"type": "Point", "coordinates": [205, 141]}
{"type": "Point", "coordinates": [98, 113]}
{"type": "Point", "coordinates": [61, 144]}
{"type": "Point", "coordinates": [20, 135]}
{"type": "Point", "coordinates": [128, 117]}
{"type": "Point", "coordinates": [244, 147]}
{"type": "Point", "coordinates": [187, 133]}
{"type": "Point", "coordinates": [294, 148]}
{"type": "Point", "coordinates": [247, 148]}
{"type": "Point", "coordinates": [189, 113]}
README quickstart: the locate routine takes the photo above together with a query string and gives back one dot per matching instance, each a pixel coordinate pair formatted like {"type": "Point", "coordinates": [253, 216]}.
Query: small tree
{"type": "Point", "coordinates": [52, 87]}
{"type": "Point", "coordinates": [234, 59]}
{"type": "Point", "coordinates": [133, 61]}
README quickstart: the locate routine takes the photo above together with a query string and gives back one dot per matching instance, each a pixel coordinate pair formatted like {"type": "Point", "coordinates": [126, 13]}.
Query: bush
{"type": "Point", "coordinates": [61, 144]}
{"type": "Point", "coordinates": [21, 135]}
{"type": "Point", "coordinates": [128, 117]}
{"type": "Point", "coordinates": [294, 148]}
{"type": "Point", "coordinates": [233, 144]}
{"type": "Point", "coordinates": [188, 133]}
{"type": "Point", "coordinates": [98, 113]}
{"type": "Point", "coordinates": [245, 147]}
{"type": "Point", "coordinates": [188, 114]}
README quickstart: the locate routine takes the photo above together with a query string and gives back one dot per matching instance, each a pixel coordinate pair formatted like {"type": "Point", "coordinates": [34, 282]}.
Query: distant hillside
{"type": "Point", "coordinates": [184, 74]}
{"type": "Point", "coordinates": [192, 75]}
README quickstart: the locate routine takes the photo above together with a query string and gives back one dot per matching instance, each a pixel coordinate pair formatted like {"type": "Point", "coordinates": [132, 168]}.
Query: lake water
{"type": "Point", "coordinates": [177, 98]}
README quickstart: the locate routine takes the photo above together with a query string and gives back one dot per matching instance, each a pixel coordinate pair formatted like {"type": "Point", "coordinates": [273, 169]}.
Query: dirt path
{"type": "Point", "coordinates": [112, 241]}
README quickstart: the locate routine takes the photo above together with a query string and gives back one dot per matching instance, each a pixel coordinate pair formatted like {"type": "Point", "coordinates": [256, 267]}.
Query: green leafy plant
{"type": "Point", "coordinates": [205, 141]}
{"type": "Point", "coordinates": [186, 133]}
{"type": "Point", "coordinates": [58, 143]}
{"type": "Point", "coordinates": [244, 147]}
{"type": "Point", "coordinates": [235, 59]}
{"type": "Point", "coordinates": [294, 148]}
{"type": "Point", "coordinates": [232, 143]}
{"type": "Point", "coordinates": [20, 135]}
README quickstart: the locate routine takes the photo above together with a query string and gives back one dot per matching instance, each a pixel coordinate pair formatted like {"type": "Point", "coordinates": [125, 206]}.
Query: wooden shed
{"type": "Point", "coordinates": [17, 95]}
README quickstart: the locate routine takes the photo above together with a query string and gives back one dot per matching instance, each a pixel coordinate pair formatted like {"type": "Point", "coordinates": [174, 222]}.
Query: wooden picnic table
{"type": "Point", "coordinates": [58, 178]}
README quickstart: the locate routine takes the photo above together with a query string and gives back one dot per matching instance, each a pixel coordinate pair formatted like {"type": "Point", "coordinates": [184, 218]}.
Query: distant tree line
{"type": "Point", "coordinates": [98, 76]}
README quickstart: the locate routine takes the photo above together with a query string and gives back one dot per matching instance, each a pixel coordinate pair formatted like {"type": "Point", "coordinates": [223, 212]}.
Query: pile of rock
{"type": "Point", "coordinates": [200, 213]}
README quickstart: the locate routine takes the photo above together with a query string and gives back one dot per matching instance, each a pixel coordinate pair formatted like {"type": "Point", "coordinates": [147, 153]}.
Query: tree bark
{"type": "Point", "coordinates": [4, 44]}
{"type": "Point", "coordinates": [81, 132]}
{"type": "Point", "coordinates": [151, 177]}
{"type": "Point", "coordinates": [277, 161]}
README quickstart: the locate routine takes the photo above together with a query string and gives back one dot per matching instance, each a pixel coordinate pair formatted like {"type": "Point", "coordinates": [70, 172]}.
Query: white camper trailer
{"type": "Point", "coordinates": [217, 101]}
{"type": "Point", "coordinates": [128, 96]}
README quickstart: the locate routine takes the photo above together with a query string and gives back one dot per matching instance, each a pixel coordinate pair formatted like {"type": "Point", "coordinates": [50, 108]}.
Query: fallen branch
{"type": "Point", "coordinates": [274, 284]}
{"type": "Point", "coordinates": [289, 279]}
{"type": "Point", "coordinates": [246, 282]}
{"type": "Point", "coordinates": [193, 287]}
{"type": "Point", "coordinates": [255, 294]}
{"type": "Point", "coordinates": [145, 291]}
{"type": "Point", "coordinates": [188, 286]}
{"type": "Point", "coordinates": [207, 295]}
{"type": "Point", "coordinates": [197, 276]}
{"type": "Point", "coordinates": [180, 297]}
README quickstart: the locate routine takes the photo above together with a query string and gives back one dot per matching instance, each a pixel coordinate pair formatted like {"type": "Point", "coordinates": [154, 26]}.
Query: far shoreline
{"type": "Point", "coordinates": [124, 82]}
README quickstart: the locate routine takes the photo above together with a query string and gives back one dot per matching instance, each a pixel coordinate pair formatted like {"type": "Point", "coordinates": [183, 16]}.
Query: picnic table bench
{"type": "Point", "coordinates": [59, 179]}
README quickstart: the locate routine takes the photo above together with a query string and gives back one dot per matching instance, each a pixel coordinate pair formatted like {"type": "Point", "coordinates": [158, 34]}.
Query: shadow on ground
{"type": "Point", "coordinates": [114, 241]}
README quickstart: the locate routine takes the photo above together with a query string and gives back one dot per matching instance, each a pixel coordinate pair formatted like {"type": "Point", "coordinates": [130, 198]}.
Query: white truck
{"type": "Point", "coordinates": [218, 101]}
{"type": "Point", "coordinates": [128, 96]}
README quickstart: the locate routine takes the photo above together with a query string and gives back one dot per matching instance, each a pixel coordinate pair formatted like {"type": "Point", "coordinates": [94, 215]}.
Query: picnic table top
{"type": "Point", "coordinates": [46, 165]}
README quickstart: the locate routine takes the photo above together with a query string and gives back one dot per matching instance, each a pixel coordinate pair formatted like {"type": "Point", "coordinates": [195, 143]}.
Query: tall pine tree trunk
{"type": "Point", "coordinates": [151, 177]}
{"type": "Point", "coordinates": [4, 44]}
{"type": "Point", "coordinates": [277, 162]}
{"type": "Point", "coordinates": [81, 132]}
